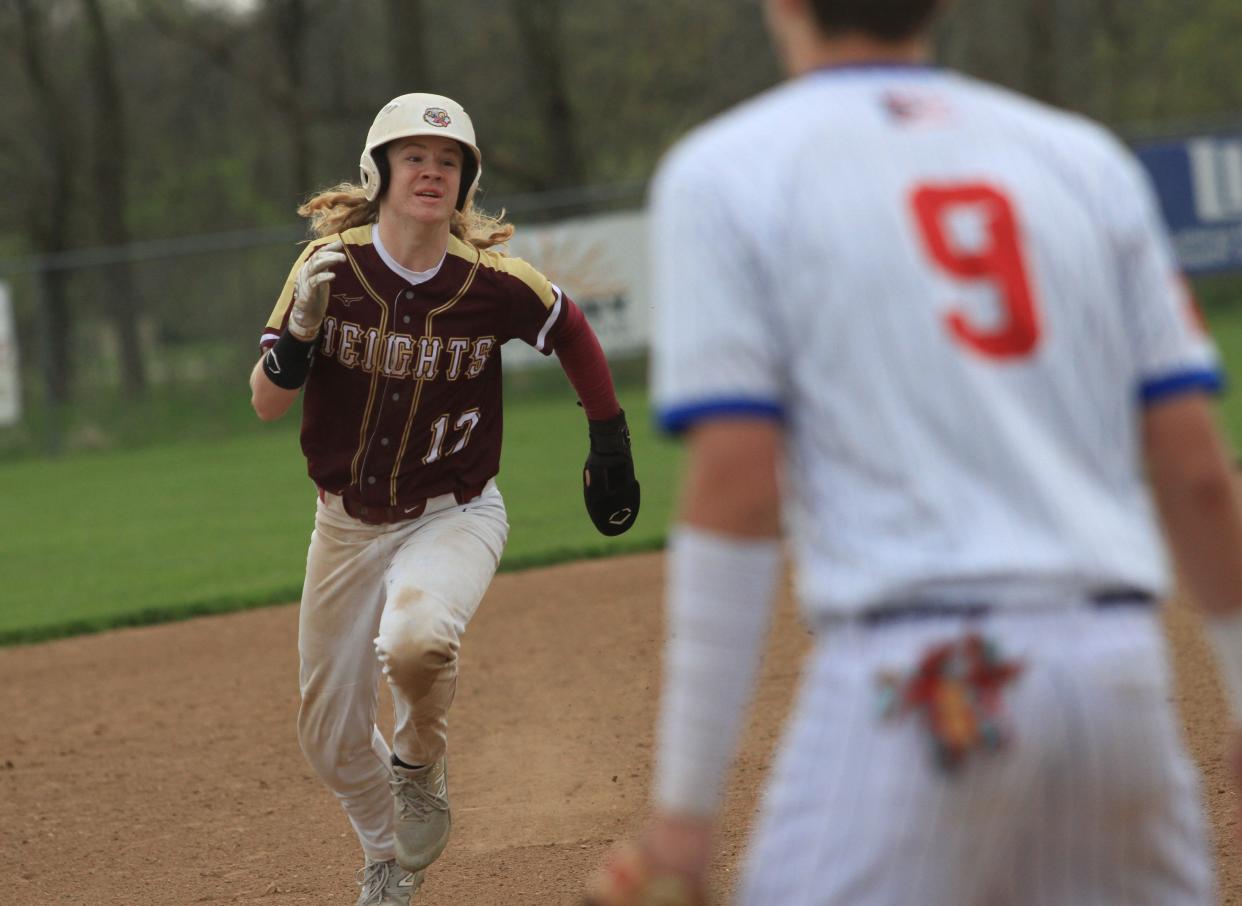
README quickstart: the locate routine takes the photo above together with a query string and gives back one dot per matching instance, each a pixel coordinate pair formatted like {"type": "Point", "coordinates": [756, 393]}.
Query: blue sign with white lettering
{"type": "Point", "coordinates": [1199, 181]}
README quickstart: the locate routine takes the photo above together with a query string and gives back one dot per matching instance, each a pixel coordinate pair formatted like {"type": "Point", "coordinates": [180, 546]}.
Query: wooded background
{"type": "Point", "coordinates": [155, 150]}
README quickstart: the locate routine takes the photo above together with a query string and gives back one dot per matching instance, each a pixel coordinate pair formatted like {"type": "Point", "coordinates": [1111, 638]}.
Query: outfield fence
{"type": "Point", "coordinates": [197, 303]}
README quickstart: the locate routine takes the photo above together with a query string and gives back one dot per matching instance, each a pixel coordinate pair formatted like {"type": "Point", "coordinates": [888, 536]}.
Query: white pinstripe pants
{"type": "Point", "coordinates": [1095, 803]}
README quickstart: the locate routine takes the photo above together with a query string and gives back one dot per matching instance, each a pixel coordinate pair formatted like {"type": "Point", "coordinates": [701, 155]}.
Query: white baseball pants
{"type": "Point", "coordinates": [1094, 803]}
{"type": "Point", "coordinates": [391, 598]}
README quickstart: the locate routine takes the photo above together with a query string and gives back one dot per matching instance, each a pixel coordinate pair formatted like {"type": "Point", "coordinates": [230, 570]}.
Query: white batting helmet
{"type": "Point", "coordinates": [421, 114]}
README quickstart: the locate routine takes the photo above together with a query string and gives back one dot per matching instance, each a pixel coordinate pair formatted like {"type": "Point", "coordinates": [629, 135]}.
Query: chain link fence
{"type": "Point", "coordinates": [200, 304]}
{"type": "Point", "coordinates": [201, 301]}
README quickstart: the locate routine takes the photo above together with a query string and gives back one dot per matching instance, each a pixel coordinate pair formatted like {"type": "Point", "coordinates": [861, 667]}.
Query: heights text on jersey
{"type": "Point", "coordinates": [403, 401]}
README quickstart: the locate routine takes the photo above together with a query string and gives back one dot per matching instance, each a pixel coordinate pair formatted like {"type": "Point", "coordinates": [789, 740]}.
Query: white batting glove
{"type": "Point", "coordinates": [310, 291]}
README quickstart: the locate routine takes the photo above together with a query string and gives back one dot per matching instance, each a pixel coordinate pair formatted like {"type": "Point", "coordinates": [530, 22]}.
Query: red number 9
{"type": "Point", "coordinates": [1000, 263]}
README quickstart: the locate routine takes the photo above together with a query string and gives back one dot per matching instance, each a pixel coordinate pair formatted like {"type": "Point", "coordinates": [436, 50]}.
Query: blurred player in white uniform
{"type": "Point", "coordinates": [933, 333]}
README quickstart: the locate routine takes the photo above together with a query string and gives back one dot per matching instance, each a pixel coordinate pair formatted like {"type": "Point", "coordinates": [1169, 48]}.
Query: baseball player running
{"type": "Point", "coordinates": [392, 323]}
{"type": "Point", "coordinates": [938, 328]}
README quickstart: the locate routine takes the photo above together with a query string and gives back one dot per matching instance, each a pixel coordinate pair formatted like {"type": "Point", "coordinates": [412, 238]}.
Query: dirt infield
{"type": "Point", "coordinates": [159, 766]}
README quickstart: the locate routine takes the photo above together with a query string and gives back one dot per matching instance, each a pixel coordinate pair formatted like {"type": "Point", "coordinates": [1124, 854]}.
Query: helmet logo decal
{"type": "Point", "coordinates": [437, 116]}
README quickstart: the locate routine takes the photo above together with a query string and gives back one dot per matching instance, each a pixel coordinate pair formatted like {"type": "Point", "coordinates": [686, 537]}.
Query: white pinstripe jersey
{"type": "Point", "coordinates": [956, 300]}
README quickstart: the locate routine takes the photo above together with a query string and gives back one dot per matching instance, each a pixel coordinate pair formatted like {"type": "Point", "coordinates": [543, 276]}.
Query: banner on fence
{"type": "Point", "coordinates": [601, 263]}
{"type": "Point", "coordinates": [1199, 180]}
{"type": "Point", "coordinates": [10, 380]}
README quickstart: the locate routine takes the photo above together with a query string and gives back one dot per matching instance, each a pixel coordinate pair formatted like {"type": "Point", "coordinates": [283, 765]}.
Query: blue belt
{"type": "Point", "coordinates": [905, 611]}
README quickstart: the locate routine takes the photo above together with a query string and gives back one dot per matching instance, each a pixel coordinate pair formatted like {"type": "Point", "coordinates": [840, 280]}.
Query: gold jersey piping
{"type": "Point", "coordinates": [418, 389]}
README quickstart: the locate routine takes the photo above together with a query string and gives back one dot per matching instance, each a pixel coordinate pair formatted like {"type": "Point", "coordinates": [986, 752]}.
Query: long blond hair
{"type": "Point", "coordinates": [345, 206]}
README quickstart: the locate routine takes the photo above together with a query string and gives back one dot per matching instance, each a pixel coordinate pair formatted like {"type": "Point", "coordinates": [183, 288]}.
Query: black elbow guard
{"type": "Point", "coordinates": [288, 361]}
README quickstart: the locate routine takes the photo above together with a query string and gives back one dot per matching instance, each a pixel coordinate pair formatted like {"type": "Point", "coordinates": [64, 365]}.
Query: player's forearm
{"type": "Point", "coordinates": [724, 559]}
{"type": "Point", "coordinates": [583, 361]}
{"type": "Point", "coordinates": [269, 401]}
{"type": "Point", "coordinates": [1206, 538]}
{"type": "Point", "coordinates": [719, 598]}
{"type": "Point", "coordinates": [1192, 480]}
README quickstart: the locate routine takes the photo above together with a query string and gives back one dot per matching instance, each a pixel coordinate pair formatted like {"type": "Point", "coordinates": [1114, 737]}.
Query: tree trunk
{"type": "Point", "coordinates": [289, 27]}
{"type": "Point", "coordinates": [1111, 25]}
{"type": "Point", "coordinates": [540, 26]}
{"type": "Point", "coordinates": [1042, 31]}
{"type": "Point", "coordinates": [407, 51]}
{"type": "Point", "coordinates": [48, 214]}
{"type": "Point", "coordinates": [110, 160]}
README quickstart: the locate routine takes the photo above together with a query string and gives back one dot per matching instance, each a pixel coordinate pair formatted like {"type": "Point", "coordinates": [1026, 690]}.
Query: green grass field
{"type": "Point", "coordinates": [220, 518]}
{"type": "Point", "coordinates": [94, 541]}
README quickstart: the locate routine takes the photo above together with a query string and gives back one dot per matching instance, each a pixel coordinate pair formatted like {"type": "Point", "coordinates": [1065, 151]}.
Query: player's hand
{"type": "Point", "coordinates": [666, 867]}
{"type": "Point", "coordinates": [310, 290]}
{"type": "Point", "coordinates": [609, 487]}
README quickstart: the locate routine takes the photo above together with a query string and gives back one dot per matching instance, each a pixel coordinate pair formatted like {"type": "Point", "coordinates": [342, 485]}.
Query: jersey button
{"type": "Point", "coordinates": [383, 441]}
{"type": "Point", "coordinates": [409, 294]}
{"type": "Point", "coordinates": [406, 319]}
{"type": "Point", "coordinates": [370, 479]}
{"type": "Point", "coordinates": [396, 397]}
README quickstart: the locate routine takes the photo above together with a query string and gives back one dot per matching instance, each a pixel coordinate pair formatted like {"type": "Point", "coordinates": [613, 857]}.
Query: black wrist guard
{"type": "Point", "coordinates": [288, 361]}
{"type": "Point", "coordinates": [609, 487]}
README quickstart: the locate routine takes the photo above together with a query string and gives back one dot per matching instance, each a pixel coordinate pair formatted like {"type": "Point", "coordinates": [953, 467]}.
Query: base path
{"type": "Point", "coordinates": [159, 766]}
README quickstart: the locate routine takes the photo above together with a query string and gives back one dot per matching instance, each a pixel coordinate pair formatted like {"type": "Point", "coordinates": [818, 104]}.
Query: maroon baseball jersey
{"type": "Point", "coordinates": [403, 399]}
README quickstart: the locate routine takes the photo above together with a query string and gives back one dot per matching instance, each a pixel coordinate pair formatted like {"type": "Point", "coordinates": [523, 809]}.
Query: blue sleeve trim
{"type": "Point", "coordinates": [1199, 379]}
{"type": "Point", "coordinates": [677, 419]}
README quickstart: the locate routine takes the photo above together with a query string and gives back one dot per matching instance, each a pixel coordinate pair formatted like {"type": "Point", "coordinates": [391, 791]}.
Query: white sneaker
{"type": "Point", "coordinates": [423, 817]}
{"type": "Point", "coordinates": [387, 884]}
